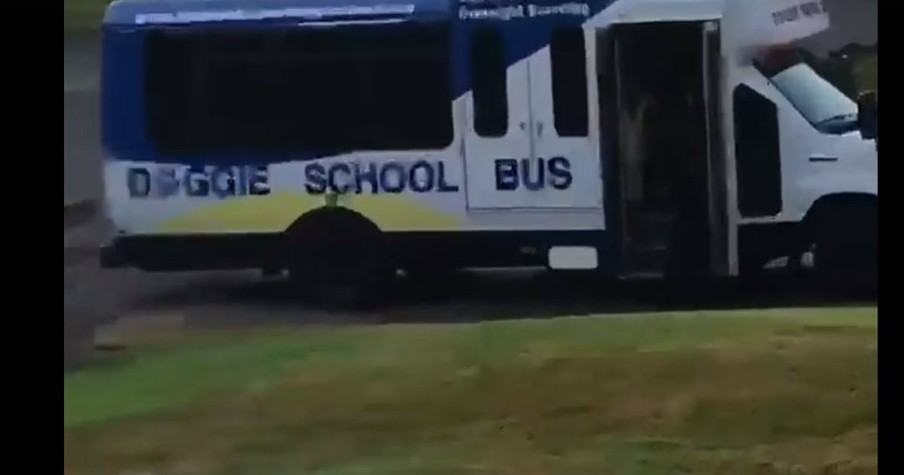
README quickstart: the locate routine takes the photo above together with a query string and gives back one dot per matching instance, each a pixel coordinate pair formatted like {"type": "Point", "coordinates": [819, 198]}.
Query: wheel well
{"type": "Point", "coordinates": [759, 243]}
{"type": "Point", "coordinates": [332, 222]}
{"type": "Point", "coordinates": [827, 203]}
{"type": "Point", "coordinates": [337, 256]}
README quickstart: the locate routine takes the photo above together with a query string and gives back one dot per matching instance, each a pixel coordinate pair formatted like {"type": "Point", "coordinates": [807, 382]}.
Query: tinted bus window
{"type": "Point", "coordinates": [276, 90]}
{"type": "Point", "coordinates": [569, 82]}
{"type": "Point", "coordinates": [489, 80]}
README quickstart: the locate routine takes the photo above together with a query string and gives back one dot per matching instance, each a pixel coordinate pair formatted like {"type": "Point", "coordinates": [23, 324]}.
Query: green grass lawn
{"type": "Point", "coordinates": [751, 392]}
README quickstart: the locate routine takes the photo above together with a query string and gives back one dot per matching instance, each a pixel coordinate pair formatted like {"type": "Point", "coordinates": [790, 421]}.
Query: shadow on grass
{"type": "Point", "coordinates": [467, 297]}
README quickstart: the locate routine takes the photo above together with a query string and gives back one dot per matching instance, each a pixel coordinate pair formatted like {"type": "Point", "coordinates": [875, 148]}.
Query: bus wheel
{"type": "Point", "coordinates": [339, 278]}
{"type": "Point", "coordinates": [845, 252]}
{"type": "Point", "coordinates": [339, 269]}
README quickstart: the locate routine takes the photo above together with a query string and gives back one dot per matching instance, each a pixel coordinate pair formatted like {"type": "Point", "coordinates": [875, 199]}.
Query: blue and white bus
{"type": "Point", "coordinates": [343, 140]}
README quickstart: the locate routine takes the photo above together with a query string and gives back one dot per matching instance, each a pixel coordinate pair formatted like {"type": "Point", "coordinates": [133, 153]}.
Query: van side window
{"type": "Point", "coordinates": [569, 82]}
{"type": "Point", "coordinates": [299, 90]}
{"type": "Point", "coordinates": [489, 81]}
{"type": "Point", "coordinates": [757, 154]}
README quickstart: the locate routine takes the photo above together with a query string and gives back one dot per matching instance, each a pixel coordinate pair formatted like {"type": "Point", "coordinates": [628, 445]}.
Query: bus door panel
{"type": "Point", "coordinates": [497, 134]}
{"type": "Point", "coordinates": [566, 161]}
{"type": "Point", "coordinates": [526, 142]}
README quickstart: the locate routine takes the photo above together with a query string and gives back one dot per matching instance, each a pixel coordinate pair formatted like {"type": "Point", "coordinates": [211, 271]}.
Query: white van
{"type": "Point", "coordinates": [342, 140]}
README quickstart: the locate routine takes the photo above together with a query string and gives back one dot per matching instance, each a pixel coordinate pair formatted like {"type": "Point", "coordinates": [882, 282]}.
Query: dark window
{"type": "Point", "coordinates": [569, 82]}
{"type": "Point", "coordinates": [757, 154]}
{"type": "Point", "coordinates": [488, 79]}
{"type": "Point", "coordinates": [298, 90]}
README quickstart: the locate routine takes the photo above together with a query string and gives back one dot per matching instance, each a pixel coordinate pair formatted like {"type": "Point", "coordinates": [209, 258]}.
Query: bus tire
{"type": "Point", "coordinates": [339, 263]}
{"type": "Point", "coordinates": [845, 251]}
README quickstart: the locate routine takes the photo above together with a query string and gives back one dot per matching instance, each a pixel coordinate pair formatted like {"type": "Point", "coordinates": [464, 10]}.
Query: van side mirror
{"type": "Point", "coordinates": [868, 115]}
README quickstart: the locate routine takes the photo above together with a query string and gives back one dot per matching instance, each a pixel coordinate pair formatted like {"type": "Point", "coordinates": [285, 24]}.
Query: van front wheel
{"type": "Point", "coordinates": [845, 252]}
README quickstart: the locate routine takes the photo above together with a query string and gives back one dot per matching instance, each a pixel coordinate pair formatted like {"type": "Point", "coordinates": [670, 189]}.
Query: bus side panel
{"type": "Point", "coordinates": [406, 190]}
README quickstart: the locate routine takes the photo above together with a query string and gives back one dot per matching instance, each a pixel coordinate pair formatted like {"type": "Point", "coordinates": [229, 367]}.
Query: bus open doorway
{"type": "Point", "coordinates": [659, 155]}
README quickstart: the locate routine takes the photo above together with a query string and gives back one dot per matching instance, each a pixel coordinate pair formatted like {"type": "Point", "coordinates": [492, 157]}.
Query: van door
{"type": "Point", "coordinates": [747, 27]}
{"type": "Point", "coordinates": [523, 148]}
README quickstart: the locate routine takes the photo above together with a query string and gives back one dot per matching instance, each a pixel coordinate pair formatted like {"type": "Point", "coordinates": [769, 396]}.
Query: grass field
{"type": "Point", "coordinates": [751, 392]}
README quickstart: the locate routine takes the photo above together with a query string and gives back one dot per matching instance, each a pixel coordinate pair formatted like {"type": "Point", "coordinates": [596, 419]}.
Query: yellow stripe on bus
{"type": "Point", "coordinates": [275, 212]}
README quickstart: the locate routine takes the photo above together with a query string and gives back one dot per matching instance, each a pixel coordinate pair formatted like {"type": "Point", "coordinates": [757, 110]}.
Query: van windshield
{"type": "Point", "coordinates": [821, 103]}
{"type": "Point", "coordinates": [818, 100]}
